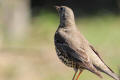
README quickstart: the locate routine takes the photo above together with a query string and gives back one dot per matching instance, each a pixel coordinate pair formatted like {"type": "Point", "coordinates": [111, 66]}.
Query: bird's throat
{"type": "Point", "coordinates": [67, 23]}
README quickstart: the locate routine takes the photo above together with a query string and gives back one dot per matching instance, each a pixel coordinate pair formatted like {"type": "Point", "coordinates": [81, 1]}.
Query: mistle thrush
{"type": "Point", "coordinates": [74, 50]}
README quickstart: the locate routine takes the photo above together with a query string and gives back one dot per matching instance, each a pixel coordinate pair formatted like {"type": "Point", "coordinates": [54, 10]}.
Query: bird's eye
{"type": "Point", "coordinates": [61, 9]}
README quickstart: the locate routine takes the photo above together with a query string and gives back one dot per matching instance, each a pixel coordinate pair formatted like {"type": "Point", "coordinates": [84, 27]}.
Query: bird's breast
{"type": "Point", "coordinates": [65, 59]}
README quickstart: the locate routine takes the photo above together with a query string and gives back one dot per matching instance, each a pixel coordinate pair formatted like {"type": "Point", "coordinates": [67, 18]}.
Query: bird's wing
{"type": "Point", "coordinates": [99, 56]}
{"type": "Point", "coordinates": [77, 54]}
{"type": "Point", "coordinates": [107, 71]}
{"type": "Point", "coordinates": [65, 47]}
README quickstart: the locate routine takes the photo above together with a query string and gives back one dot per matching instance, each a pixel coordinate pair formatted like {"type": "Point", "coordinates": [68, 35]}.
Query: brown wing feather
{"type": "Point", "coordinates": [99, 56]}
{"type": "Point", "coordinates": [60, 41]}
{"type": "Point", "coordinates": [77, 54]}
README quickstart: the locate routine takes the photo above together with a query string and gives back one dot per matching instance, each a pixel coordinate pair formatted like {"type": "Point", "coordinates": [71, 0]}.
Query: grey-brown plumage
{"type": "Point", "coordinates": [74, 50]}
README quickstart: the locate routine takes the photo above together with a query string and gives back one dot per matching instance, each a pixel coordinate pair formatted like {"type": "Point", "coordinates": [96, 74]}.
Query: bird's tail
{"type": "Point", "coordinates": [112, 74]}
{"type": "Point", "coordinates": [109, 72]}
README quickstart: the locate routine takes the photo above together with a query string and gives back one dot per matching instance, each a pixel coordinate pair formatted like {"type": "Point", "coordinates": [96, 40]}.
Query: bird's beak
{"type": "Point", "coordinates": [57, 8]}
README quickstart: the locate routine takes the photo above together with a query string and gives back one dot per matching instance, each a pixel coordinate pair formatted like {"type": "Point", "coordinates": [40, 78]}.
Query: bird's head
{"type": "Point", "coordinates": [66, 14]}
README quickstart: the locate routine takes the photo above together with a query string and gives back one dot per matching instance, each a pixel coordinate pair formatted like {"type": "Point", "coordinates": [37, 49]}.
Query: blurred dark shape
{"type": "Point", "coordinates": [81, 6]}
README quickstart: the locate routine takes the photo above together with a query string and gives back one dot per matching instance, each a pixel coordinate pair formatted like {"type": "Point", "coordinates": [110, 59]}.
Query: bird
{"type": "Point", "coordinates": [74, 50]}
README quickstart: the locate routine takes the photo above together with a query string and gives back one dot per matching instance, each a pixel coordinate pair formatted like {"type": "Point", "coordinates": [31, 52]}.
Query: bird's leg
{"type": "Point", "coordinates": [79, 74]}
{"type": "Point", "coordinates": [76, 70]}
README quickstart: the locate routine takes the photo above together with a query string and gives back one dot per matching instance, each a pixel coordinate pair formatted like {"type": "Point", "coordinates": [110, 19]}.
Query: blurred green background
{"type": "Point", "coordinates": [27, 30]}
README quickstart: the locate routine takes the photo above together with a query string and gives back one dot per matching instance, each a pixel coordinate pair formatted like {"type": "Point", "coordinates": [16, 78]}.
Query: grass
{"type": "Point", "coordinates": [39, 61]}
